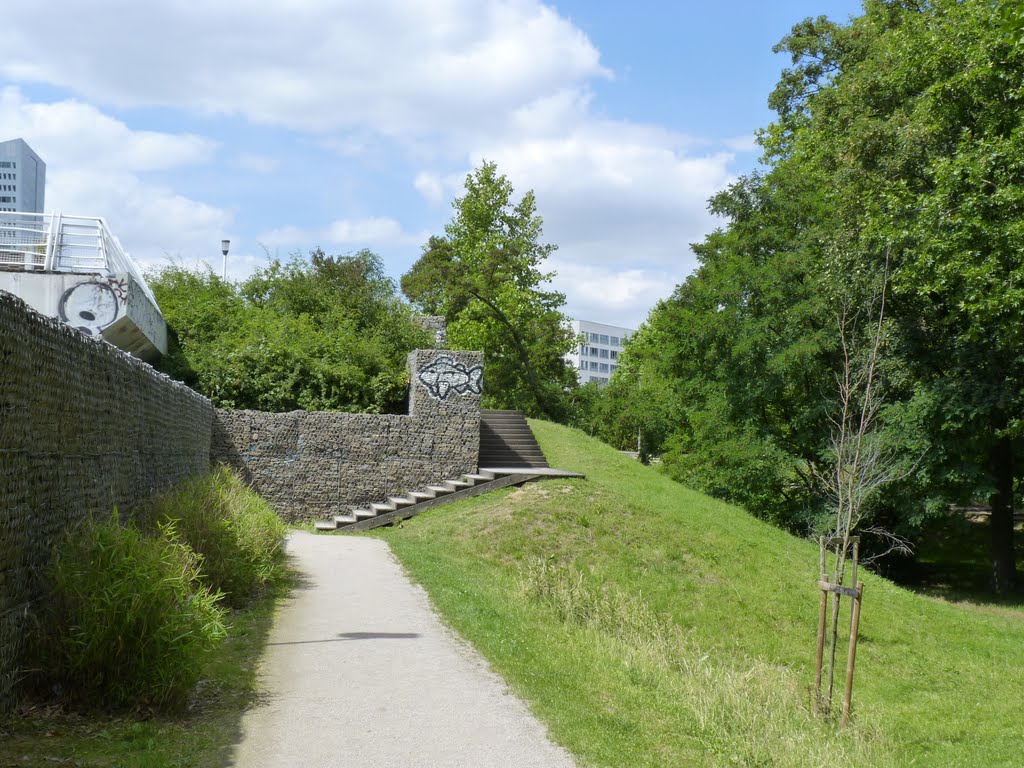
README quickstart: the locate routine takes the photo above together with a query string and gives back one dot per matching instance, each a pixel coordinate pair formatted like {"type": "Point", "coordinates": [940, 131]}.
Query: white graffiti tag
{"type": "Point", "coordinates": [444, 375]}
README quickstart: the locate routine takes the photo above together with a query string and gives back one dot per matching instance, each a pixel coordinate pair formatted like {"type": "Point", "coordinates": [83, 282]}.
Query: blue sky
{"type": "Point", "coordinates": [290, 125]}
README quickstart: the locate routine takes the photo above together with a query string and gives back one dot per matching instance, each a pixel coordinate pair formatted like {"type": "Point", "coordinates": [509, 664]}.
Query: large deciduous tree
{"type": "Point", "coordinates": [899, 138]}
{"type": "Point", "coordinates": [485, 276]}
{"type": "Point", "coordinates": [912, 116]}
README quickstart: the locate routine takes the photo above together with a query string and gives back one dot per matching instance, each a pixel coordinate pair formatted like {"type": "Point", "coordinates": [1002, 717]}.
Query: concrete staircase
{"type": "Point", "coordinates": [507, 441]}
{"type": "Point", "coordinates": [402, 507]}
{"type": "Point", "coordinates": [509, 455]}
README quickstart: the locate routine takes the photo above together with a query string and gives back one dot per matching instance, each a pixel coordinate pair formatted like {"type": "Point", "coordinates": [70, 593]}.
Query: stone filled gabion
{"type": "Point", "coordinates": [84, 428]}
{"type": "Point", "coordinates": [438, 325]}
{"type": "Point", "coordinates": [313, 465]}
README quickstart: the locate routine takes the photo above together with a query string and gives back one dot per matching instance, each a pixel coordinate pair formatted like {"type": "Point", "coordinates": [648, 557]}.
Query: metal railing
{"type": "Point", "coordinates": [54, 242]}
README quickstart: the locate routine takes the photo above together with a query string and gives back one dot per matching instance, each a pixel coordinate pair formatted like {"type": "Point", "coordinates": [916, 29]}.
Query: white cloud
{"type": "Point", "coordinates": [742, 143]}
{"type": "Point", "coordinates": [399, 67]}
{"type": "Point", "coordinates": [372, 231]}
{"type": "Point", "coordinates": [72, 134]}
{"type": "Point", "coordinates": [95, 167]}
{"type": "Point", "coordinates": [618, 194]}
{"type": "Point", "coordinates": [251, 161]}
{"type": "Point", "coordinates": [608, 295]}
{"type": "Point", "coordinates": [431, 187]}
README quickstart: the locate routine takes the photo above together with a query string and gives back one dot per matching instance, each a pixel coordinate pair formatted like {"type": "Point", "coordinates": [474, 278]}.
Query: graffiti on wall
{"type": "Point", "coordinates": [443, 375]}
{"type": "Point", "coordinates": [90, 307]}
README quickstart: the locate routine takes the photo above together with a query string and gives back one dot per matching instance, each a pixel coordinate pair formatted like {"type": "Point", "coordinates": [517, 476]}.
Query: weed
{"type": "Point", "coordinates": [236, 533]}
{"type": "Point", "coordinates": [128, 620]}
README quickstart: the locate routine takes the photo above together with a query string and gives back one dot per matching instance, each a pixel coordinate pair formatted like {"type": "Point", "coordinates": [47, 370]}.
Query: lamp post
{"type": "Point", "coordinates": [224, 245]}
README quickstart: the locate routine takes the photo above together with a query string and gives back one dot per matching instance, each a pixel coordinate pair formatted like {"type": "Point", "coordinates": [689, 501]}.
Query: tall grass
{"type": "Point", "coordinates": [742, 711]}
{"type": "Point", "coordinates": [128, 620]}
{"type": "Point", "coordinates": [238, 537]}
{"type": "Point", "coordinates": [135, 607]}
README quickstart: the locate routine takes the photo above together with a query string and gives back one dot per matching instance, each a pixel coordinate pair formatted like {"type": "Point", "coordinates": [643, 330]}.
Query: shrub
{"type": "Point", "coordinates": [128, 621]}
{"type": "Point", "coordinates": [239, 537]}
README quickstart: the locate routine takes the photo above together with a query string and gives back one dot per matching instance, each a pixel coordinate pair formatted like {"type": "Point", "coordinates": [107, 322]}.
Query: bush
{"type": "Point", "coordinates": [239, 537]}
{"type": "Point", "coordinates": [128, 620]}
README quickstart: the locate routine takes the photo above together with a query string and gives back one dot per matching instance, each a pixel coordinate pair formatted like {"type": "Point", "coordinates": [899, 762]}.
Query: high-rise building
{"type": "Point", "coordinates": [22, 178]}
{"type": "Point", "coordinates": [595, 359]}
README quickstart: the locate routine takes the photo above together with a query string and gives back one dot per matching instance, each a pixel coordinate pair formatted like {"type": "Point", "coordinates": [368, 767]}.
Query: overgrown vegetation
{"type": "Point", "coordinates": [134, 605]}
{"type": "Point", "coordinates": [649, 625]}
{"type": "Point", "coordinates": [128, 621]}
{"type": "Point", "coordinates": [237, 535]}
{"type": "Point", "coordinates": [325, 333]}
{"type": "Point", "coordinates": [202, 736]}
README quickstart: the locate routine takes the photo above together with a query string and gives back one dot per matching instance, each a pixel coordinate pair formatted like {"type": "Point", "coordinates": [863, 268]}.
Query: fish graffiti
{"type": "Point", "coordinates": [443, 375]}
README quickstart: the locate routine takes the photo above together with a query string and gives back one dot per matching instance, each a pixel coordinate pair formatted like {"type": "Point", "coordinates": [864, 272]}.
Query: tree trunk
{"type": "Point", "coordinates": [1004, 561]}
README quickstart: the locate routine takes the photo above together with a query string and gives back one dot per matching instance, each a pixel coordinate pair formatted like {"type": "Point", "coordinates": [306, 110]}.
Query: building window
{"type": "Point", "coordinates": [593, 365]}
{"type": "Point", "coordinates": [593, 338]}
{"type": "Point", "coordinates": [604, 338]}
{"type": "Point", "coordinates": [603, 368]}
{"type": "Point", "coordinates": [615, 355]}
{"type": "Point", "coordinates": [614, 340]}
{"type": "Point", "coordinates": [604, 353]}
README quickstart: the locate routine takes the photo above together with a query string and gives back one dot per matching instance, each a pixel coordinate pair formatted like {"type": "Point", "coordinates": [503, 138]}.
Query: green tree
{"type": "Point", "coordinates": [911, 116]}
{"type": "Point", "coordinates": [899, 140]}
{"type": "Point", "coordinates": [327, 333]}
{"type": "Point", "coordinates": [485, 277]}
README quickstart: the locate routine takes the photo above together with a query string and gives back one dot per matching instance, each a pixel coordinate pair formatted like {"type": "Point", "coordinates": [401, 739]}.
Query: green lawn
{"type": "Point", "coordinates": [649, 625]}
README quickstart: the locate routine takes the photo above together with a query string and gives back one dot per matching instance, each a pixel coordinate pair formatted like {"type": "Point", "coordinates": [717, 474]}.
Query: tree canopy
{"type": "Point", "coordinates": [323, 333]}
{"type": "Point", "coordinates": [897, 157]}
{"type": "Point", "coordinates": [485, 276]}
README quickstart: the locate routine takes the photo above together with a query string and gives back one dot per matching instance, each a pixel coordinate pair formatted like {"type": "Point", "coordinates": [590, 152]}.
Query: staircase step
{"type": "Point", "coordinates": [422, 495]}
{"type": "Point", "coordinates": [401, 501]}
{"type": "Point", "coordinates": [457, 485]}
{"type": "Point", "coordinates": [439, 489]}
{"type": "Point", "coordinates": [482, 477]}
{"type": "Point", "coordinates": [363, 514]}
{"type": "Point", "coordinates": [382, 508]}
{"type": "Point", "coordinates": [326, 525]}
{"type": "Point", "coordinates": [345, 519]}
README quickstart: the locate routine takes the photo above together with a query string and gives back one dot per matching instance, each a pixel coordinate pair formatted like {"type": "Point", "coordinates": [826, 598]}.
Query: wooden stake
{"type": "Point", "coordinates": [851, 658]}
{"type": "Point", "coordinates": [822, 613]}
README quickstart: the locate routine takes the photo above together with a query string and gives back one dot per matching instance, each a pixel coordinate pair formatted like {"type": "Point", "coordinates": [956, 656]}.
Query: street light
{"type": "Point", "coordinates": [224, 245]}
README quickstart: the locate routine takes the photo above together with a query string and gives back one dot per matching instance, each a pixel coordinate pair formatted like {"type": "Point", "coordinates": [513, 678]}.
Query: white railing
{"type": "Point", "coordinates": [53, 242]}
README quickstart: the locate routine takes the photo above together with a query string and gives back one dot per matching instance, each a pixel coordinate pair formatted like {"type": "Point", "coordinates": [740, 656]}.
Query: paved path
{"type": "Point", "coordinates": [360, 673]}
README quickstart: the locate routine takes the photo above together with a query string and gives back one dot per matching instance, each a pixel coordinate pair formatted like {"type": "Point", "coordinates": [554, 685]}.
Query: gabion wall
{"type": "Point", "coordinates": [313, 465]}
{"type": "Point", "coordinates": [84, 428]}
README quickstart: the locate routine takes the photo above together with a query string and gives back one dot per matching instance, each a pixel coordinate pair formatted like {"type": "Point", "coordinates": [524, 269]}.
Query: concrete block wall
{"type": "Point", "coordinates": [312, 465]}
{"type": "Point", "coordinates": [84, 428]}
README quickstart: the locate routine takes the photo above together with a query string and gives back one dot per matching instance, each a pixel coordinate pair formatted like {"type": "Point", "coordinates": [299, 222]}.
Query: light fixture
{"type": "Point", "coordinates": [224, 245]}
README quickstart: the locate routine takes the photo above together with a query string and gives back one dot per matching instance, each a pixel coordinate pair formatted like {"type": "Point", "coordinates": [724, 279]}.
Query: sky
{"type": "Point", "coordinates": [296, 124]}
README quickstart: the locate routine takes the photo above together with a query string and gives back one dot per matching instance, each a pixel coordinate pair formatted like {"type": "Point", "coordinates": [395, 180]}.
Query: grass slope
{"type": "Point", "coordinates": [649, 625]}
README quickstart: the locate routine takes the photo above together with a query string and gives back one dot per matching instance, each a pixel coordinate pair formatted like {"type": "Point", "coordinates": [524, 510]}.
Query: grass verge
{"type": "Point", "coordinates": [649, 625]}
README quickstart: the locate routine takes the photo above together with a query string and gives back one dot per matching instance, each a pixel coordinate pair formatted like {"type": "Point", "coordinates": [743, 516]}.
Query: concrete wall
{"type": "Point", "coordinates": [114, 307]}
{"type": "Point", "coordinates": [313, 465]}
{"type": "Point", "coordinates": [84, 428]}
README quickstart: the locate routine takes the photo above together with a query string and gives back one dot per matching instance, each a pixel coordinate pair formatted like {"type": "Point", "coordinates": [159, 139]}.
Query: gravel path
{"type": "Point", "coordinates": [359, 672]}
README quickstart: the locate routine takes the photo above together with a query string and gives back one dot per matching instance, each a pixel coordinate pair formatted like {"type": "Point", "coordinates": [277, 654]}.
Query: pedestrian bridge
{"type": "Point", "coordinates": [73, 268]}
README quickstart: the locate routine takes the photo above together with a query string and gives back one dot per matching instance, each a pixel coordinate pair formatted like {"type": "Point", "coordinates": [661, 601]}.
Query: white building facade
{"type": "Point", "coordinates": [596, 358]}
{"type": "Point", "coordinates": [22, 178]}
